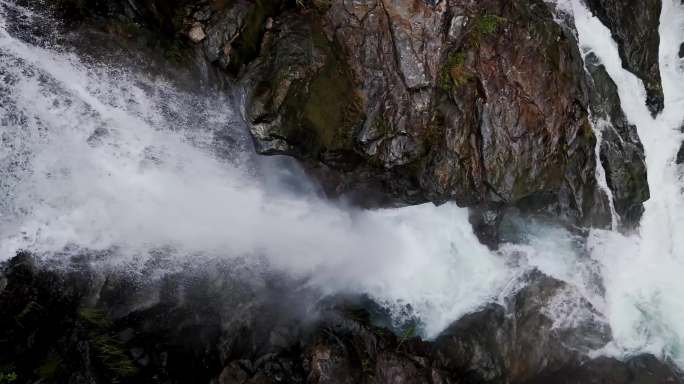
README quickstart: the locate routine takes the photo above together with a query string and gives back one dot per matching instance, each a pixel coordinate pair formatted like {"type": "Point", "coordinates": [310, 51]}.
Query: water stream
{"type": "Point", "coordinates": [99, 157]}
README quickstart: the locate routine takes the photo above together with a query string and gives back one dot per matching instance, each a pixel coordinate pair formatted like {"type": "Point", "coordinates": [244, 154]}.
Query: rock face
{"type": "Point", "coordinates": [484, 103]}
{"type": "Point", "coordinates": [634, 26]}
{"type": "Point", "coordinates": [407, 101]}
{"type": "Point", "coordinates": [638, 369]}
{"type": "Point", "coordinates": [82, 327]}
{"type": "Point", "coordinates": [487, 345]}
{"type": "Point", "coordinates": [621, 151]}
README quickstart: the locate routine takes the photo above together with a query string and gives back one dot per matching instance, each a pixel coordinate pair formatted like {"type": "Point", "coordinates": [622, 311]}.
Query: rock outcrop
{"type": "Point", "coordinates": [634, 26]}
{"type": "Point", "coordinates": [407, 101]}
{"type": "Point", "coordinates": [621, 151]}
{"type": "Point", "coordinates": [86, 327]}
{"type": "Point", "coordinates": [484, 103]}
{"type": "Point", "coordinates": [536, 323]}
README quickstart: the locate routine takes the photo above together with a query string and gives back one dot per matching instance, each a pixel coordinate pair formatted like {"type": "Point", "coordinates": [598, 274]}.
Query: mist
{"type": "Point", "coordinates": [95, 158]}
{"type": "Point", "coordinates": [101, 159]}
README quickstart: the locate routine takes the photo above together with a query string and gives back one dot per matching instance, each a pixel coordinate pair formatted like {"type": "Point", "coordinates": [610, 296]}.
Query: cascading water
{"type": "Point", "coordinates": [100, 159]}
{"type": "Point", "coordinates": [642, 272]}
{"type": "Point", "coordinates": [97, 158]}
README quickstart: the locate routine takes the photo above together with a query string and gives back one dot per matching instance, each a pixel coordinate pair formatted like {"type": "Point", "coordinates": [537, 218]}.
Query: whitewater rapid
{"type": "Point", "coordinates": [95, 157]}
{"type": "Point", "coordinates": [643, 273]}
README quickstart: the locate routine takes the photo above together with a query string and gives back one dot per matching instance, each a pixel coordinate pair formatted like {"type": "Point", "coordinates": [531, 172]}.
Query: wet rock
{"type": "Point", "coordinates": [642, 369]}
{"type": "Point", "coordinates": [634, 27]}
{"type": "Point", "coordinates": [544, 326]}
{"type": "Point", "coordinates": [486, 111]}
{"type": "Point", "coordinates": [234, 29]}
{"type": "Point", "coordinates": [233, 374]}
{"type": "Point", "coordinates": [197, 34]}
{"type": "Point", "coordinates": [621, 151]}
{"type": "Point", "coordinates": [45, 336]}
{"type": "Point", "coordinates": [401, 102]}
{"type": "Point", "coordinates": [209, 326]}
{"type": "Point", "coordinates": [223, 29]}
{"type": "Point", "coordinates": [486, 222]}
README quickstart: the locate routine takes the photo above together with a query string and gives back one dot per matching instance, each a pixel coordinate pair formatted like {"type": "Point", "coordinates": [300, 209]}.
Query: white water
{"type": "Point", "coordinates": [644, 273]}
{"type": "Point", "coordinates": [154, 179]}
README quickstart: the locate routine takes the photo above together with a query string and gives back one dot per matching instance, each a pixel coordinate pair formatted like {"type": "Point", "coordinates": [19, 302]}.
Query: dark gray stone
{"type": "Point", "coordinates": [634, 27]}
{"type": "Point", "coordinates": [621, 151]}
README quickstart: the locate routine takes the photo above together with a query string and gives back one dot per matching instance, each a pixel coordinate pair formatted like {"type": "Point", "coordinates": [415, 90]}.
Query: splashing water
{"type": "Point", "coordinates": [642, 273]}
{"type": "Point", "coordinates": [93, 157]}
{"type": "Point", "coordinates": [99, 159]}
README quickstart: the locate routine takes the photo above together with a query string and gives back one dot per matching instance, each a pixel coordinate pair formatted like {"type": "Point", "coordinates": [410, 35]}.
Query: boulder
{"type": "Point", "coordinates": [543, 326]}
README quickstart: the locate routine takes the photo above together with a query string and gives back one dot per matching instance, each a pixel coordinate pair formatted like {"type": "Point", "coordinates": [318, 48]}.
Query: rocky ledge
{"type": "Point", "coordinates": [395, 102]}
{"type": "Point", "coordinates": [485, 103]}
{"type": "Point", "coordinates": [82, 326]}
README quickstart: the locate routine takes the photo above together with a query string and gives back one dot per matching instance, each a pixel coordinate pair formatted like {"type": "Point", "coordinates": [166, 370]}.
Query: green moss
{"type": "Point", "coordinates": [48, 367]}
{"type": "Point", "coordinates": [94, 317]}
{"type": "Point", "coordinates": [408, 332]}
{"type": "Point", "coordinates": [8, 377]}
{"type": "Point", "coordinates": [484, 25]}
{"type": "Point", "coordinates": [454, 73]}
{"type": "Point", "coordinates": [488, 24]}
{"type": "Point", "coordinates": [586, 130]}
{"type": "Point", "coordinates": [108, 350]}
{"type": "Point", "coordinates": [332, 107]}
{"type": "Point", "coordinates": [111, 353]}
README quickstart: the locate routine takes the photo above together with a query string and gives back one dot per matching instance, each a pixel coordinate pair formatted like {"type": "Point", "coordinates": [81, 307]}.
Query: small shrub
{"type": "Point", "coordinates": [107, 348]}
{"type": "Point", "coordinates": [8, 377]}
{"type": "Point", "coordinates": [488, 24]}
{"type": "Point", "coordinates": [482, 26]}
{"type": "Point", "coordinates": [94, 317]}
{"type": "Point", "coordinates": [454, 73]}
{"type": "Point", "coordinates": [409, 332]}
{"type": "Point", "coordinates": [113, 357]}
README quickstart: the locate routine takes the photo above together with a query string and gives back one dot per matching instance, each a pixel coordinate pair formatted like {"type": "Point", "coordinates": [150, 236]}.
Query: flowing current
{"type": "Point", "coordinates": [643, 273]}
{"type": "Point", "coordinates": [100, 158]}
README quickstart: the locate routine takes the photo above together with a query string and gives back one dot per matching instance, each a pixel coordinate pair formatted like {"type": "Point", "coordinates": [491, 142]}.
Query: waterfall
{"type": "Point", "coordinates": [99, 158]}
{"type": "Point", "coordinates": [96, 157]}
{"type": "Point", "coordinates": [642, 272]}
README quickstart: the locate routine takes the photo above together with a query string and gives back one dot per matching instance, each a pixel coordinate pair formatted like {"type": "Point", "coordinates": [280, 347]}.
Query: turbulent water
{"type": "Point", "coordinates": [643, 273]}
{"type": "Point", "coordinates": [97, 157]}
